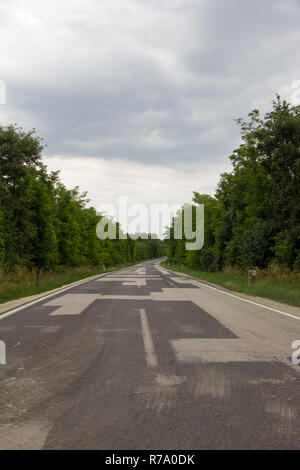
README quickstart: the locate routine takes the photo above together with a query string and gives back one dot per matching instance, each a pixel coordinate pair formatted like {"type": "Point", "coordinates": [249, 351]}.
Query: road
{"type": "Point", "coordinates": [142, 358]}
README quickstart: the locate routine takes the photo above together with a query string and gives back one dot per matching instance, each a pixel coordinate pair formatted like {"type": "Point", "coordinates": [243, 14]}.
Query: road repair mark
{"type": "Point", "coordinates": [71, 304]}
{"type": "Point", "coordinates": [137, 280]}
{"type": "Point", "coordinates": [249, 346]}
{"type": "Point", "coordinates": [181, 280]}
{"type": "Point", "coordinates": [218, 350]}
{"type": "Point", "coordinates": [126, 281]}
{"type": "Point", "coordinates": [75, 304]}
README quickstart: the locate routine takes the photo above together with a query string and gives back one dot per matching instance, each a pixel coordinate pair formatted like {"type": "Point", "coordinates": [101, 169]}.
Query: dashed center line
{"type": "Point", "coordinates": [151, 357]}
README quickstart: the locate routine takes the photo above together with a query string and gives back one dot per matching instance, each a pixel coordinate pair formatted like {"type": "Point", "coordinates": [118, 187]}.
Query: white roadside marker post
{"type": "Point", "coordinates": [251, 276]}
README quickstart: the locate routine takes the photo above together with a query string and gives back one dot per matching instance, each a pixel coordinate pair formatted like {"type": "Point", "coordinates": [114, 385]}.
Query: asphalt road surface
{"type": "Point", "coordinates": [142, 358]}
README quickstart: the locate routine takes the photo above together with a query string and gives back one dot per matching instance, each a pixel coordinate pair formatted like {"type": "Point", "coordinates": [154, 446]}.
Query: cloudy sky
{"type": "Point", "coordinates": [138, 97]}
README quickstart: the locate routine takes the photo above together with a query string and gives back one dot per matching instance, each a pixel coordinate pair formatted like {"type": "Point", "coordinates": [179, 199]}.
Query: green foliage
{"type": "Point", "coordinates": [43, 224]}
{"type": "Point", "coordinates": [254, 217]}
{"type": "Point", "coordinates": [40, 195]}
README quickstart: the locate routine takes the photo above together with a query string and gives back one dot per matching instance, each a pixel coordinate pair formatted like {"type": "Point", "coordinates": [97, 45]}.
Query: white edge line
{"type": "Point", "coordinates": [246, 300]}
{"type": "Point", "coordinates": [251, 302]}
{"type": "Point", "coordinates": [151, 358]}
{"type": "Point", "coordinates": [44, 297]}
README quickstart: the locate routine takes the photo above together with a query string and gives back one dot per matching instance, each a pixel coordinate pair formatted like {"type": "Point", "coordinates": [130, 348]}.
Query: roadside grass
{"type": "Point", "coordinates": [271, 284]}
{"type": "Point", "coordinates": [22, 282]}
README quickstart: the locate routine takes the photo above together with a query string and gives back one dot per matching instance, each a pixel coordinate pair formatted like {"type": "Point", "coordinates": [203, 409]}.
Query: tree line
{"type": "Point", "coordinates": [253, 219]}
{"type": "Point", "coordinates": [45, 225]}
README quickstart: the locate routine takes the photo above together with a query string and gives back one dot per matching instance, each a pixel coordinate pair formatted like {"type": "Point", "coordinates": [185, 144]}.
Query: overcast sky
{"type": "Point", "coordinates": [138, 97]}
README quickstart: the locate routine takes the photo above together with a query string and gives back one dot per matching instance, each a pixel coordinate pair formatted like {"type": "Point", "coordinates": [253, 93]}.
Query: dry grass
{"type": "Point", "coordinates": [273, 273]}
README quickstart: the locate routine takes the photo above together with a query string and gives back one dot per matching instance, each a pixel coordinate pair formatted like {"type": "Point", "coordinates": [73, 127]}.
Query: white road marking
{"type": "Point", "coordinates": [151, 357]}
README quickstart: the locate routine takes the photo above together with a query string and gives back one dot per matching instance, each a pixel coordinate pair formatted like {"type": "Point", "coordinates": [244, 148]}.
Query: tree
{"type": "Point", "coordinates": [254, 217]}
{"type": "Point", "coordinates": [19, 151]}
{"type": "Point", "coordinates": [42, 239]}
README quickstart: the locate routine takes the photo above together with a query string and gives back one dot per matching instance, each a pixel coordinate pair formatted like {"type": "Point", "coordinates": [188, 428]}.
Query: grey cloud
{"type": "Point", "coordinates": [166, 94]}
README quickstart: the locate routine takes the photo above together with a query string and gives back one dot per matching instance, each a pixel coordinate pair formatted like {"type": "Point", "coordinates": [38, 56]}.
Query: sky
{"type": "Point", "coordinates": [138, 98]}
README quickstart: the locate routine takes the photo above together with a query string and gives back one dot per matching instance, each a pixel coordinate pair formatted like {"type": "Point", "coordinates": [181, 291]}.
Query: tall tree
{"type": "Point", "coordinates": [19, 151]}
{"type": "Point", "coordinates": [42, 237]}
